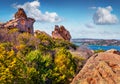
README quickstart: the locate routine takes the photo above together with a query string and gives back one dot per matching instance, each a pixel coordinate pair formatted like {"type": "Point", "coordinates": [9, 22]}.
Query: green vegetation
{"type": "Point", "coordinates": [39, 59]}
{"type": "Point", "coordinates": [98, 51]}
{"type": "Point", "coordinates": [64, 66]}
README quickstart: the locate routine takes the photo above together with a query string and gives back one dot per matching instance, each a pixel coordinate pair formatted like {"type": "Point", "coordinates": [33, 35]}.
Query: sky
{"type": "Point", "coordinates": [82, 18]}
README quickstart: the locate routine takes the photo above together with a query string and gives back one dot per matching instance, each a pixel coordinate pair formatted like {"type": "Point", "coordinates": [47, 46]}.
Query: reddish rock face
{"type": "Point", "coordinates": [61, 33]}
{"type": "Point", "coordinates": [102, 68]}
{"type": "Point", "coordinates": [20, 14]}
{"type": "Point", "coordinates": [21, 21]}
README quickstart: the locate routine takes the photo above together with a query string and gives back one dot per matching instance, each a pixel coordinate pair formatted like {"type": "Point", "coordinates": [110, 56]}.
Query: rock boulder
{"type": "Point", "coordinates": [101, 68]}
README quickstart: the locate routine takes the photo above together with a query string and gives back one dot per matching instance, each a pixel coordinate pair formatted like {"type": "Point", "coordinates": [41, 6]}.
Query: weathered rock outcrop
{"type": "Point", "coordinates": [83, 52]}
{"type": "Point", "coordinates": [21, 21]}
{"type": "Point", "coordinates": [113, 51]}
{"type": "Point", "coordinates": [101, 68]}
{"type": "Point", "coordinates": [20, 14]}
{"type": "Point", "coordinates": [61, 33]}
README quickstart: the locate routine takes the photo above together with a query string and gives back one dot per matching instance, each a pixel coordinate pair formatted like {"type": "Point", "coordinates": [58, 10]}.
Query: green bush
{"type": "Point", "coordinates": [98, 51]}
{"type": "Point", "coordinates": [64, 68]}
{"type": "Point", "coordinates": [40, 66]}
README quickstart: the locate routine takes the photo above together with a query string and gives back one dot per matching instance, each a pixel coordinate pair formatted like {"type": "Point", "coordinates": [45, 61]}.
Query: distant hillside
{"type": "Point", "coordinates": [102, 42]}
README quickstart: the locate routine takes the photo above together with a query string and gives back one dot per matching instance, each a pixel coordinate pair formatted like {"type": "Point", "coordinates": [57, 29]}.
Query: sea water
{"type": "Point", "coordinates": [97, 47]}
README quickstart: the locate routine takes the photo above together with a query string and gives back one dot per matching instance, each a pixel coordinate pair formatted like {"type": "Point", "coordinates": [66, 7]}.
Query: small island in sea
{"type": "Point", "coordinates": [96, 44]}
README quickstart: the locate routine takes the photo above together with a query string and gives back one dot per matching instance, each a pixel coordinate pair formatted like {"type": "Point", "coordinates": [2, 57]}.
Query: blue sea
{"type": "Point", "coordinates": [97, 47]}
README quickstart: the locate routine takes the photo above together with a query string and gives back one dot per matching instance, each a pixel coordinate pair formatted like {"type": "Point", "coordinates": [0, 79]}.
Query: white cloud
{"type": "Point", "coordinates": [103, 16]}
{"type": "Point", "coordinates": [90, 25]}
{"type": "Point", "coordinates": [32, 10]}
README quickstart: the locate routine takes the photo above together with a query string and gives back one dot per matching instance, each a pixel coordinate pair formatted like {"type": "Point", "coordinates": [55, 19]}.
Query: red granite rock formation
{"type": "Point", "coordinates": [61, 33]}
{"type": "Point", "coordinates": [102, 68]}
{"type": "Point", "coordinates": [20, 14]}
{"type": "Point", "coordinates": [21, 21]}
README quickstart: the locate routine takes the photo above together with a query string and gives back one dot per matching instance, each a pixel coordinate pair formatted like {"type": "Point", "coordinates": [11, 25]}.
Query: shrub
{"type": "Point", "coordinates": [40, 66]}
{"type": "Point", "coordinates": [98, 51]}
{"type": "Point", "coordinates": [64, 67]}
